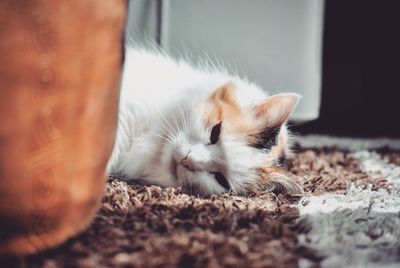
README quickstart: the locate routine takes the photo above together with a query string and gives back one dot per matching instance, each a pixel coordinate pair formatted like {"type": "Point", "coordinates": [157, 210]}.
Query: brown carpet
{"type": "Point", "coordinates": [147, 226]}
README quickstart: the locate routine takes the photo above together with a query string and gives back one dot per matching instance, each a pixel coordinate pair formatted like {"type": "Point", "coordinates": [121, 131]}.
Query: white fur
{"type": "Point", "coordinates": [160, 123]}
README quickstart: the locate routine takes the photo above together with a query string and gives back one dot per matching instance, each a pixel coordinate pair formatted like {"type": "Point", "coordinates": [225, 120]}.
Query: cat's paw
{"type": "Point", "coordinates": [279, 183]}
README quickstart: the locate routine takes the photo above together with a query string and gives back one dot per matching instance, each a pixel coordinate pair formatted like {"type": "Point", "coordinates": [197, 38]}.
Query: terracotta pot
{"type": "Point", "coordinates": [59, 87]}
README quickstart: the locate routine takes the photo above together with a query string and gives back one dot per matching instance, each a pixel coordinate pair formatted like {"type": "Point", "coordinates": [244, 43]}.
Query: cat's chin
{"type": "Point", "coordinates": [178, 172]}
{"type": "Point", "coordinates": [173, 169]}
{"type": "Point", "coordinates": [181, 173]}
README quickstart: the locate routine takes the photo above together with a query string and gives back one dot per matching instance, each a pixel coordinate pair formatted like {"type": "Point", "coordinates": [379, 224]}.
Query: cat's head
{"type": "Point", "coordinates": [219, 145]}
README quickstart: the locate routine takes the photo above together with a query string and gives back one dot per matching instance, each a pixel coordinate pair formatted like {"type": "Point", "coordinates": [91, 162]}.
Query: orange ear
{"type": "Point", "coordinates": [225, 93]}
{"type": "Point", "coordinates": [275, 110]}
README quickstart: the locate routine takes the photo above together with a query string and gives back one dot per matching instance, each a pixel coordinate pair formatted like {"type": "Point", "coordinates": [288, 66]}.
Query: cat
{"type": "Point", "coordinates": [199, 128]}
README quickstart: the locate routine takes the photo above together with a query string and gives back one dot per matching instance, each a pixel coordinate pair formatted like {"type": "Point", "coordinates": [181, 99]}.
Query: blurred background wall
{"type": "Point", "coordinates": [276, 44]}
{"type": "Point", "coordinates": [341, 55]}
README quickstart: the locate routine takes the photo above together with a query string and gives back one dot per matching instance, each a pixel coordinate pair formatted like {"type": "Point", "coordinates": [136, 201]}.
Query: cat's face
{"type": "Point", "coordinates": [218, 146]}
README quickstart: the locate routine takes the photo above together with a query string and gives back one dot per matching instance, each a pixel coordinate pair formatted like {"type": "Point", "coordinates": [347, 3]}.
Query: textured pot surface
{"type": "Point", "coordinates": [59, 84]}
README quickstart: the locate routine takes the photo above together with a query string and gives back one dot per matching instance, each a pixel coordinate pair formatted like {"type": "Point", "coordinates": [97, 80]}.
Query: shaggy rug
{"type": "Point", "coordinates": [349, 217]}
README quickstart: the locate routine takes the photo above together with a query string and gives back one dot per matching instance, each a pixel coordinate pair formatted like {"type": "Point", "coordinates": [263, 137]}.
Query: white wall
{"type": "Point", "coordinates": [276, 43]}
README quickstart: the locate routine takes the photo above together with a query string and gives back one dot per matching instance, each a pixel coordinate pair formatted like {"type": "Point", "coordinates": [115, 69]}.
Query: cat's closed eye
{"type": "Point", "coordinates": [220, 178]}
{"type": "Point", "coordinates": [216, 130]}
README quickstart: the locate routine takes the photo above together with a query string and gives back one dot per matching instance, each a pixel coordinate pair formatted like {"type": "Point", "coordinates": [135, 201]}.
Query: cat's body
{"type": "Point", "coordinates": [198, 128]}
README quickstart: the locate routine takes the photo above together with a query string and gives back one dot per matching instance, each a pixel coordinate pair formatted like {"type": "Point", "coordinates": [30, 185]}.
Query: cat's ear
{"type": "Point", "coordinates": [275, 110]}
{"type": "Point", "coordinates": [225, 94]}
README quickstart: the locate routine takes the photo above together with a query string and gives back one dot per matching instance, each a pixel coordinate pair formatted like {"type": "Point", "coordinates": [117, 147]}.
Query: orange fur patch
{"type": "Point", "coordinates": [222, 107]}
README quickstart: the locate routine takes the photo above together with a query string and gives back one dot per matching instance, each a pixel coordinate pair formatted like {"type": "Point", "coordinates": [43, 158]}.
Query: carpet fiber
{"type": "Point", "coordinates": [348, 217]}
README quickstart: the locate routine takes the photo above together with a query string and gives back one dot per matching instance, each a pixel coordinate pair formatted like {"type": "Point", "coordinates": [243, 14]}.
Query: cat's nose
{"type": "Point", "coordinates": [188, 163]}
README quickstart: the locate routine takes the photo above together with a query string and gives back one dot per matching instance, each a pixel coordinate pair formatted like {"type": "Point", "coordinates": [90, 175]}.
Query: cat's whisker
{"type": "Point", "coordinates": [164, 125]}
{"type": "Point", "coordinates": [180, 123]}
{"type": "Point", "coordinates": [163, 137]}
{"type": "Point", "coordinates": [180, 117]}
{"type": "Point", "coordinates": [183, 119]}
{"type": "Point", "coordinates": [161, 128]}
{"type": "Point", "coordinates": [186, 121]}
{"type": "Point", "coordinates": [168, 135]}
{"type": "Point", "coordinates": [176, 124]}
{"type": "Point", "coordinates": [168, 124]}
{"type": "Point", "coordinates": [185, 125]}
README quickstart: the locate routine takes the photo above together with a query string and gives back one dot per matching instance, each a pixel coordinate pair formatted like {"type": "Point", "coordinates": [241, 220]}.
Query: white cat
{"type": "Point", "coordinates": [199, 128]}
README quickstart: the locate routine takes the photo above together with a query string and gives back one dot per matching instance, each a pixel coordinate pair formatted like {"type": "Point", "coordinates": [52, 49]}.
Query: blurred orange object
{"type": "Point", "coordinates": [59, 87]}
